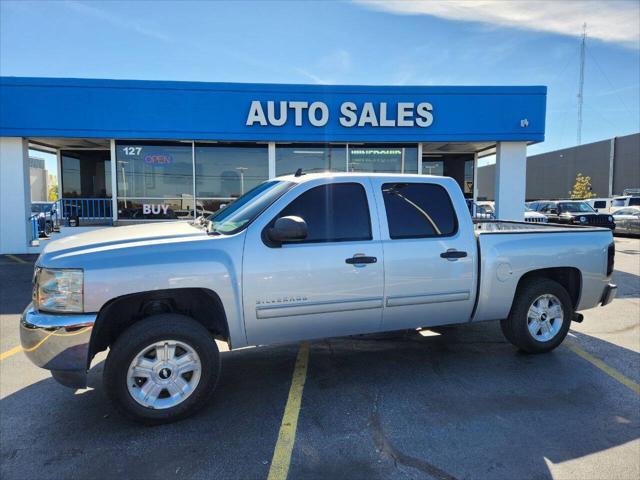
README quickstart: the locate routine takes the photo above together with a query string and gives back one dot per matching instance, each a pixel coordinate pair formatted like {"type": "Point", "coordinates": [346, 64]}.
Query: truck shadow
{"type": "Point", "coordinates": [628, 284]}
{"type": "Point", "coordinates": [463, 404]}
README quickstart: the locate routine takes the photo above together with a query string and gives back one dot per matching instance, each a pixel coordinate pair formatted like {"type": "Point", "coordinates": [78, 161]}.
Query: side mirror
{"type": "Point", "coordinates": [553, 211]}
{"type": "Point", "coordinates": [288, 229]}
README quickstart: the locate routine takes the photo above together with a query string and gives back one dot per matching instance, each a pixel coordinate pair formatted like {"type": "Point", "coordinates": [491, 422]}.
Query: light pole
{"type": "Point", "coordinates": [242, 170]}
{"type": "Point", "coordinates": [122, 163]}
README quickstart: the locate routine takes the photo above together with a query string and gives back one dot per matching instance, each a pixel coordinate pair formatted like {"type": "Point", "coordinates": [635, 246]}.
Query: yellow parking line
{"type": "Point", "coordinates": [15, 259]}
{"type": "Point", "coordinates": [11, 352]}
{"type": "Point", "coordinates": [286, 438]}
{"type": "Point", "coordinates": [596, 362]}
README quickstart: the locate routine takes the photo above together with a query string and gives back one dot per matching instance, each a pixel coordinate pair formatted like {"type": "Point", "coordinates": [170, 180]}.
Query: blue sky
{"type": "Point", "coordinates": [362, 42]}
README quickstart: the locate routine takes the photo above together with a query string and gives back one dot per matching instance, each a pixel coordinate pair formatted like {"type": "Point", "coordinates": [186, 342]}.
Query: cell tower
{"type": "Point", "coordinates": [581, 82]}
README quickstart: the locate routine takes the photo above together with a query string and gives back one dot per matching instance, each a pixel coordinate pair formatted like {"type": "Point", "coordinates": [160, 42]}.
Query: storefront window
{"type": "Point", "coordinates": [225, 171]}
{"type": "Point", "coordinates": [86, 173]}
{"type": "Point", "coordinates": [430, 166]}
{"type": "Point", "coordinates": [310, 158]}
{"type": "Point", "coordinates": [383, 158]}
{"type": "Point", "coordinates": [154, 179]}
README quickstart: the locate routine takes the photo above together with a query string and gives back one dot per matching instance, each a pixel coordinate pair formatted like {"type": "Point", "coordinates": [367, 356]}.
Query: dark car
{"type": "Point", "coordinates": [572, 212]}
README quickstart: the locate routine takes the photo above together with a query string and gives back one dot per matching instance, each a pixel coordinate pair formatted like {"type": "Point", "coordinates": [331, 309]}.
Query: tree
{"type": "Point", "coordinates": [582, 188]}
{"type": "Point", "coordinates": [53, 193]}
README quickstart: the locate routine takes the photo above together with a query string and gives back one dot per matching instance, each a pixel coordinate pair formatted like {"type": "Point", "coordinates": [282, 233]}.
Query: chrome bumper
{"type": "Point", "coordinates": [59, 343]}
{"type": "Point", "coordinates": [609, 294]}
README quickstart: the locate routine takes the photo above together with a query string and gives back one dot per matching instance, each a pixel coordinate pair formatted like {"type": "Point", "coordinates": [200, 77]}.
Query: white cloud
{"type": "Point", "coordinates": [329, 68]}
{"type": "Point", "coordinates": [116, 20]}
{"type": "Point", "coordinates": [609, 21]}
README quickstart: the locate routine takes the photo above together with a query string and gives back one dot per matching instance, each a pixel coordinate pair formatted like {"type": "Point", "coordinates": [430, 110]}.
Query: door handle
{"type": "Point", "coordinates": [453, 254]}
{"type": "Point", "coordinates": [360, 259]}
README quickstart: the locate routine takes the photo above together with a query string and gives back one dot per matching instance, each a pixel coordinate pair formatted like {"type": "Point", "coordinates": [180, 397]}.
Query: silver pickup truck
{"type": "Point", "coordinates": [299, 257]}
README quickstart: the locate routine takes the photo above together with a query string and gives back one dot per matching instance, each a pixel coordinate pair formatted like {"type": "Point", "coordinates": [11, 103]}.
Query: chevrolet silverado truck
{"type": "Point", "coordinates": [299, 257]}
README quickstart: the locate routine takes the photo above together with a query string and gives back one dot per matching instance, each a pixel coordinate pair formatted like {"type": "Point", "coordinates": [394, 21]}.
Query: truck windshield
{"type": "Point", "coordinates": [240, 213]}
{"type": "Point", "coordinates": [575, 207]}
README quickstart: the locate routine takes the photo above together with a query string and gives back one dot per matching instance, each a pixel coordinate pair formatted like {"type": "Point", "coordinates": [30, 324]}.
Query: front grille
{"type": "Point", "coordinates": [598, 220]}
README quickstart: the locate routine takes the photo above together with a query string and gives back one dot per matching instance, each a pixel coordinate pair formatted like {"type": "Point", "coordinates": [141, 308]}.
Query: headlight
{"type": "Point", "coordinates": [583, 219]}
{"type": "Point", "coordinates": [610, 218]}
{"type": "Point", "coordinates": [58, 290]}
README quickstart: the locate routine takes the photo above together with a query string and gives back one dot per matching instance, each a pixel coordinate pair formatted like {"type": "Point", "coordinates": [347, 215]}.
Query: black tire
{"type": "Point", "coordinates": [515, 326]}
{"type": "Point", "coordinates": [144, 333]}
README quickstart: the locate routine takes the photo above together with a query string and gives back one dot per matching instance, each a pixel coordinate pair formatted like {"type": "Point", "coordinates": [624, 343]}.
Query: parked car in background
{"type": "Point", "coordinates": [600, 205]}
{"type": "Point", "coordinates": [45, 212]}
{"type": "Point", "coordinates": [533, 216]}
{"type": "Point", "coordinates": [297, 258]}
{"type": "Point", "coordinates": [624, 201]}
{"type": "Point", "coordinates": [628, 220]}
{"type": "Point", "coordinates": [479, 210]}
{"type": "Point", "coordinates": [572, 212]}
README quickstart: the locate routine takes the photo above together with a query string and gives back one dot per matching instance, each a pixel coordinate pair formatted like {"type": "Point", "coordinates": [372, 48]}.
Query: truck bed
{"type": "Point", "coordinates": [508, 250]}
{"type": "Point", "coordinates": [503, 226]}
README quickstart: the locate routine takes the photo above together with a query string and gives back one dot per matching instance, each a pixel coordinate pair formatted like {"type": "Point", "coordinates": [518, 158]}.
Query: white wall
{"type": "Point", "coordinates": [14, 195]}
{"type": "Point", "coordinates": [511, 180]}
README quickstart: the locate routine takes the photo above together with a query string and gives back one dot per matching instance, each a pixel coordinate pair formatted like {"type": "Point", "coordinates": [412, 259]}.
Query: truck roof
{"type": "Point", "coordinates": [305, 177]}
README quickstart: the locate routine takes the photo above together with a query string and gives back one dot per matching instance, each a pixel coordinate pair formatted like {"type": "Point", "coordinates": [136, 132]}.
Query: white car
{"type": "Point", "coordinates": [534, 217]}
{"type": "Point", "coordinates": [600, 205]}
{"type": "Point", "coordinates": [624, 201]}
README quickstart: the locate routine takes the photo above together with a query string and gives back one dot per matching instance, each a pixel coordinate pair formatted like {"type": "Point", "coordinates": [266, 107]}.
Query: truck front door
{"type": "Point", "coordinates": [429, 254]}
{"type": "Point", "coordinates": [321, 286]}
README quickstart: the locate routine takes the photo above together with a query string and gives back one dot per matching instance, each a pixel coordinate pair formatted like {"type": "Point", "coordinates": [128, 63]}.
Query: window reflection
{"type": "Point", "coordinates": [310, 158]}
{"type": "Point", "coordinates": [154, 170]}
{"type": "Point", "coordinates": [383, 158]}
{"type": "Point", "coordinates": [229, 170]}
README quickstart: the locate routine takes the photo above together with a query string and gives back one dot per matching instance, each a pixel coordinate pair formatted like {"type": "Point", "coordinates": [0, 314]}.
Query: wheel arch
{"type": "Point", "coordinates": [201, 304]}
{"type": "Point", "coordinates": [569, 277]}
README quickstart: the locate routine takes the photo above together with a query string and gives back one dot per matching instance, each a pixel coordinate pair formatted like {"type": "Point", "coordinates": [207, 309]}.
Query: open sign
{"type": "Point", "coordinates": [158, 159]}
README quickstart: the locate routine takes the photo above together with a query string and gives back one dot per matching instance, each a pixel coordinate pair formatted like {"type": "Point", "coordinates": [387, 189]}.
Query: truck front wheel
{"type": "Point", "coordinates": [162, 369]}
{"type": "Point", "coordinates": [540, 316]}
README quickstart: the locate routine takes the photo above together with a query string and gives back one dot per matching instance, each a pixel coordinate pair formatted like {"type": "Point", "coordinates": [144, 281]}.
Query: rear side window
{"type": "Point", "coordinates": [634, 201]}
{"type": "Point", "coordinates": [545, 207]}
{"type": "Point", "coordinates": [334, 213]}
{"type": "Point", "coordinates": [618, 202]}
{"type": "Point", "coordinates": [418, 210]}
{"type": "Point", "coordinates": [599, 204]}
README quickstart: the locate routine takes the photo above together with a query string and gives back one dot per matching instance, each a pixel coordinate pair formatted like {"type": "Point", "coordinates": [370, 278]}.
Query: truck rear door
{"type": "Point", "coordinates": [429, 253]}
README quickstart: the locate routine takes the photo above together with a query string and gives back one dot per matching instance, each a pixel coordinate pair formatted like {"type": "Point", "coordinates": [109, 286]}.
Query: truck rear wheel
{"type": "Point", "coordinates": [162, 369]}
{"type": "Point", "coordinates": [540, 316]}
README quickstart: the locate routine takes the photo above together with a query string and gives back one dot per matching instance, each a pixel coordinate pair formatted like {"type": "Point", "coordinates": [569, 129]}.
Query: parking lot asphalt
{"type": "Point", "coordinates": [458, 403]}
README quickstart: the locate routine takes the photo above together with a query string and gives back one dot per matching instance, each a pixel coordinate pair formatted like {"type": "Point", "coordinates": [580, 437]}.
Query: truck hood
{"type": "Point", "coordinates": [115, 238]}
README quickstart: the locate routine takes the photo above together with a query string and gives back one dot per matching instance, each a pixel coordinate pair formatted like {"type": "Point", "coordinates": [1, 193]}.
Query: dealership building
{"type": "Point", "coordinates": [133, 151]}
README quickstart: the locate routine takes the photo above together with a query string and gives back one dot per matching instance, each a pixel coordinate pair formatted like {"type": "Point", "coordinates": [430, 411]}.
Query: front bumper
{"type": "Point", "coordinates": [59, 343]}
{"type": "Point", "coordinates": [609, 294]}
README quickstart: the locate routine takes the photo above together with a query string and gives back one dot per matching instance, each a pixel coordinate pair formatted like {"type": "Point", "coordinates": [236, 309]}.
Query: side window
{"type": "Point", "coordinates": [334, 213]}
{"type": "Point", "coordinates": [618, 202]}
{"type": "Point", "coordinates": [634, 201]}
{"type": "Point", "coordinates": [546, 207]}
{"type": "Point", "coordinates": [599, 204]}
{"type": "Point", "coordinates": [418, 210]}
